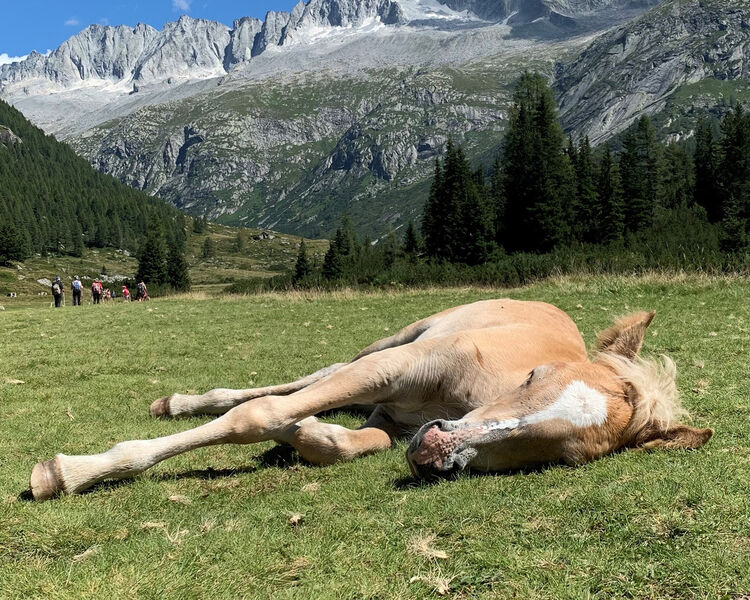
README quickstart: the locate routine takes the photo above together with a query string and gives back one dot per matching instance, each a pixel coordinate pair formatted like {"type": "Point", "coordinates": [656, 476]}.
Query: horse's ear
{"type": "Point", "coordinates": [679, 436]}
{"type": "Point", "coordinates": [625, 337]}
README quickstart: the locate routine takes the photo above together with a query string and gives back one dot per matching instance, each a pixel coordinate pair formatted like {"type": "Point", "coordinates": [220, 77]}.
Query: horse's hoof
{"type": "Point", "coordinates": [160, 408]}
{"type": "Point", "coordinates": [45, 482]}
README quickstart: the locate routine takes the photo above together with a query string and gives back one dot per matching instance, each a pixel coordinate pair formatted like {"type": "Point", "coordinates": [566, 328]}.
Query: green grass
{"type": "Point", "coordinates": [635, 525]}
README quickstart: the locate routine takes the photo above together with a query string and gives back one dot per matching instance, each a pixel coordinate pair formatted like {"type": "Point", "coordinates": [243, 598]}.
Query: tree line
{"type": "Point", "coordinates": [551, 204]}
{"type": "Point", "coordinates": [547, 192]}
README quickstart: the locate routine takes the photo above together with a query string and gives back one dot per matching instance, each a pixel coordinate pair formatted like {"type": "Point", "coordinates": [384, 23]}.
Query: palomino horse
{"type": "Point", "coordinates": [494, 385]}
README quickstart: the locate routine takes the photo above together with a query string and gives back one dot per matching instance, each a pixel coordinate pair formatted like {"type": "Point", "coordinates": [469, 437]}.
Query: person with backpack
{"type": "Point", "coordinates": [77, 289]}
{"type": "Point", "coordinates": [142, 293]}
{"type": "Point", "coordinates": [96, 291]}
{"type": "Point", "coordinates": [57, 291]}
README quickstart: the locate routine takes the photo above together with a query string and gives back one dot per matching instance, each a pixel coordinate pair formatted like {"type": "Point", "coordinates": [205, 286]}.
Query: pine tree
{"type": "Point", "coordinates": [200, 224]}
{"type": "Point", "coordinates": [12, 244]}
{"type": "Point", "coordinates": [303, 268]}
{"type": "Point", "coordinates": [178, 272]}
{"type": "Point", "coordinates": [152, 259]}
{"type": "Point", "coordinates": [707, 192]}
{"type": "Point", "coordinates": [640, 172]}
{"type": "Point", "coordinates": [411, 242]}
{"type": "Point", "coordinates": [538, 182]}
{"type": "Point", "coordinates": [734, 179]}
{"type": "Point", "coordinates": [333, 267]}
{"type": "Point", "coordinates": [239, 242]}
{"type": "Point", "coordinates": [587, 197]}
{"type": "Point", "coordinates": [678, 180]}
{"type": "Point", "coordinates": [208, 250]}
{"type": "Point", "coordinates": [610, 210]}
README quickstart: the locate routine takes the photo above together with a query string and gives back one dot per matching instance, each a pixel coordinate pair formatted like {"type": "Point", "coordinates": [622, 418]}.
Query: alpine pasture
{"type": "Point", "coordinates": [256, 522]}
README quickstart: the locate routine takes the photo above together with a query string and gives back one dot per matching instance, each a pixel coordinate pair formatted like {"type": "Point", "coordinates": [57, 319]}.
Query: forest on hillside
{"type": "Point", "coordinates": [53, 202]}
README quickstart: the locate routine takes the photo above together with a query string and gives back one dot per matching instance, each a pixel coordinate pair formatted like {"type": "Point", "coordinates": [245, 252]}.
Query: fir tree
{"type": "Point", "coordinates": [178, 272]}
{"type": "Point", "coordinates": [707, 192]}
{"type": "Point", "coordinates": [12, 244]}
{"type": "Point", "coordinates": [610, 211]}
{"type": "Point", "coordinates": [239, 242]}
{"type": "Point", "coordinates": [678, 181]}
{"type": "Point", "coordinates": [640, 172]}
{"type": "Point", "coordinates": [587, 196]}
{"type": "Point", "coordinates": [411, 242]}
{"type": "Point", "coordinates": [303, 268]}
{"type": "Point", "coordinates": [538, 182]}
{"type": "Point", "coordinates": [200, 224]}
{"type": "Point", "coordinates": [152, 259]}
{"type": "Point", "coordinates": [209, 249]}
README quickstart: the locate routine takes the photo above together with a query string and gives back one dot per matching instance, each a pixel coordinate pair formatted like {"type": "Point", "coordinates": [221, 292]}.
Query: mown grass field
{"type": "Point", "coordinates": [255, 522]}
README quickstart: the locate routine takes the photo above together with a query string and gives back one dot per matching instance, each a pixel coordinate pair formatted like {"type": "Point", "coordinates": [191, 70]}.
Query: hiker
{"type": "Point", "coordinates": [57, 292]}
{"type": "Point", "coordinates": [107, 295]}
{"type": "Point", "coordinates": [126, 293]}
{"type": "Point", "coordinates": [142, 293]}
{"type": "Point", "coordinates": [77, 289]}
{"type": "Point", "coordinates": [96, 291]}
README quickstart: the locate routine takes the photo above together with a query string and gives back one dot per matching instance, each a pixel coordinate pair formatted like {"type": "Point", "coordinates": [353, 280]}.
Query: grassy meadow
{"type": "Point", "coordinates": [255, 522]}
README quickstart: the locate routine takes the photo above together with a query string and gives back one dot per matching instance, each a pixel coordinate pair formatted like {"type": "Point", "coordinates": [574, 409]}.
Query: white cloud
{"type": "Point", "coordinates": [104, 21]}
{"type": "Point", "coordinates": [72, 21]}
{"type": "Point", "coordinates": [6, 60]}
{"type": "Point", "coordinates": [181, 5]}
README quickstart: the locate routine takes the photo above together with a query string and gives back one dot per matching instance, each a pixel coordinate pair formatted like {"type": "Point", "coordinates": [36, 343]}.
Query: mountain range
{"type": "Point", "coordinates": [341, 105]}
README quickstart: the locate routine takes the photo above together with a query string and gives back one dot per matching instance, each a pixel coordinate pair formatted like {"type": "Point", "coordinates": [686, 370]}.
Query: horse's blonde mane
{"type": "Point", "coordinates": [656, 401]}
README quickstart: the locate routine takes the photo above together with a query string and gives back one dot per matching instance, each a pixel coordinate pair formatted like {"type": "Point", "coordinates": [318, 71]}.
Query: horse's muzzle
{"type": "Point", "coordinates": [436, 449]}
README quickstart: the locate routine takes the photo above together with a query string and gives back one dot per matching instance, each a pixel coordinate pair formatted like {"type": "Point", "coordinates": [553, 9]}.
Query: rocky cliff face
{"type": "Point", "coordinates": [680, 47]}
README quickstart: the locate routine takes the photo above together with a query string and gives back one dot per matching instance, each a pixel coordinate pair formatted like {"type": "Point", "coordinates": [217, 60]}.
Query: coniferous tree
{"type": "Point", "coordinates": [200, 224]}
{"type": "Point", "coordinates": [152, 259]}
{"type": "Point", "coordinates": [411, 241]}
{"type": "Point", "coordinates": [707, 192]}
{"type": "Point", "coordinates": [302, 268]}
{"type": "Point", "coordinates": [587, 201]}
{"type": "Point", "coordinates": [735, 179]}
{"type": "Point", "coordinates": [640, 172]}
{"type": "Point", "coordinates": [610, 212]}
{"type": "Point", "coordinates": [209, 249]}
{"type": "Point", "coordinates": [678, 181]}
{"type": "Point", "coordinates": [239, 242]}
{"type": "Point", "coordinates": [12, 244]}
{"type": "Point", "coordinates": [333, 263]}
{"type": "Point", "coordinates": [178, 272]}
{"type": "Point", "coordinates": [538, 182]}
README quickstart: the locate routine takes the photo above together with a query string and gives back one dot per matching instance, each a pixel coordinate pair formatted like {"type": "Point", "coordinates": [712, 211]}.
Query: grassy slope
{"type": "Point", "coordinates": [664, 524]}
{"type": "Point", "coordinates": [259, 258]}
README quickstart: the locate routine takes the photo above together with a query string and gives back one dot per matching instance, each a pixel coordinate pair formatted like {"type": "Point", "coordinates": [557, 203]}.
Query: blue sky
{"type": "Point", "coordinates": [44, 24]}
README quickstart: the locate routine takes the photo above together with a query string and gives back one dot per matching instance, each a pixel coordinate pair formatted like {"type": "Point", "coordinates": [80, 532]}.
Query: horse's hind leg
{"type": "Point", "coordinates": [220, 400]}
{"type": "Point", "coordinates": [370, 380]}
{"type": "Point", "coordinates": [327, 443]}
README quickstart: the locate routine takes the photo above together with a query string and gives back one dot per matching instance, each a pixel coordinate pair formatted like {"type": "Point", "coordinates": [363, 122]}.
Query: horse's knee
{"type": "Point", "coordinates": [251, 422]}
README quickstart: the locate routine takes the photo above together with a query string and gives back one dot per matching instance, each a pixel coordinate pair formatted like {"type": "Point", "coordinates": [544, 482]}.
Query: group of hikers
{"type": "Point", "coordinates": [98, 293]}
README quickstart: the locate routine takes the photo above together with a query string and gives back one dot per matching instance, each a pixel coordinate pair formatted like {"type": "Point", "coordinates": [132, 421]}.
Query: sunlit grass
{"type": "Point", "coordinates": [663, 524]}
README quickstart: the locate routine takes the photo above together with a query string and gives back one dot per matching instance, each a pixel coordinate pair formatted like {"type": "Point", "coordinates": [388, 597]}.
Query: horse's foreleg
{"type": "Point", "coordinates": [371, 380]}
{"type": "Point", "coordinates": [219, 401]}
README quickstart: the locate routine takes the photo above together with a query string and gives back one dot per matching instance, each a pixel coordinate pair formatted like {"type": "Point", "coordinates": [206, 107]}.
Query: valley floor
{"type": "Point", "coordinates": [255, 522]}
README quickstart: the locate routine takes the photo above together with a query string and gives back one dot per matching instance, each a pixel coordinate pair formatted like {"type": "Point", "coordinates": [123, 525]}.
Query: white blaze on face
{"type": "Point", "coordinates": [579, 404]}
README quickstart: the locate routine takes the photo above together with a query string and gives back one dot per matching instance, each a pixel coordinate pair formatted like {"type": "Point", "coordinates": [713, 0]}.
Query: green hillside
{"type": "Point", "coordinates": [52, 201]}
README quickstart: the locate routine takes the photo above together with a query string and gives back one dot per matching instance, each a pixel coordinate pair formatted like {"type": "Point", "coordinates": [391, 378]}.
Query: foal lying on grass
{"type": "Point", "coordinates": [494, 385]}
